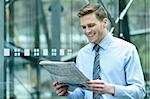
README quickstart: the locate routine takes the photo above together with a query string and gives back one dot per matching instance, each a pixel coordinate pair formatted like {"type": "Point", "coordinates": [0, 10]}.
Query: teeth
{"type": "Point", "coordinates": [92, 34]}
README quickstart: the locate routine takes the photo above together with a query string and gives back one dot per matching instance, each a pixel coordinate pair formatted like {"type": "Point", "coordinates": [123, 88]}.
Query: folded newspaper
{"type": "Point", "coordinates": [67, 73]}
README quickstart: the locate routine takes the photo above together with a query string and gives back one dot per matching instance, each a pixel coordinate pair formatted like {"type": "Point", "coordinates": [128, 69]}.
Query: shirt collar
{"type": "Point", "coordinates": [104, 44]}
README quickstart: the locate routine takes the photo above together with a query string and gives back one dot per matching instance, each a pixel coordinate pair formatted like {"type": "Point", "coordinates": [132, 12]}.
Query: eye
{"type": "Point", "coordinates": [83, 27]}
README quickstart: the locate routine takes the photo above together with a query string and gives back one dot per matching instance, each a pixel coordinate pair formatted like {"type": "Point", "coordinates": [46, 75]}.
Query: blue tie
{"type": "Point", "coordinates": [96, 68]}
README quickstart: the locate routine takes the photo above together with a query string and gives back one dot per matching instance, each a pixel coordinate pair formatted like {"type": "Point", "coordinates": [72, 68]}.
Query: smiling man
{"type": "Point", "coordinates": [111, 64]}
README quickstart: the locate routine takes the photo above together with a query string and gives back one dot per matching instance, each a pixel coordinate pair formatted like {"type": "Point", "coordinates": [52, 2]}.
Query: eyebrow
{"type": "Point", "coordinates": [89, 24]}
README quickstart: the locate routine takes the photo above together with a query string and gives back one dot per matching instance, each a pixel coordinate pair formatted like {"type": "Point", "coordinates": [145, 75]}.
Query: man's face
{"type": "Point", "coordinates": [93, 28]}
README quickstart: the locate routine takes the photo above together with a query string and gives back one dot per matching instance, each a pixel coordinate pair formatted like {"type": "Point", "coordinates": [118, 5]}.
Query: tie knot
{"type": "Point", "coordinates": [96, 47]}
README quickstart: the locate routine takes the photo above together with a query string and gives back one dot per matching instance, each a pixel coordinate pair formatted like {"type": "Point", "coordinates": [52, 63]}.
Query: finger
{"type": "Point", "coordinates": [60, 89]}
{"type": "Point", "coordinates": [55, 83]}
{"type": "Point", "coordinates": [96, 85]}
{"type": "Point", "coordinates": [96, 92]}
{"type": "Point", "coordinates": [58, 86]}
{"type": "Point", "coordinates": [63, 92]}
{"type": "Point", "coordinates": [96, 88]}
{"type": "Point", "coordinates": [95, 82]}
{"type": "Point", "coordinates": [61, 86]}
{"type": "Point", "coordinates": [99, 92]}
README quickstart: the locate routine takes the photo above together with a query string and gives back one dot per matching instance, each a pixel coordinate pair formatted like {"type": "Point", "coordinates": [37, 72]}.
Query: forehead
{"type": "Point", "coordinates": [87, 19]}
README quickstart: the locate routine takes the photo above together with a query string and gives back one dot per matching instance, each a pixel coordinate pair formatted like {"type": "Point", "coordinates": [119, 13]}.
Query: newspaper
{"type": "Point", "coordinates": [67, 73]}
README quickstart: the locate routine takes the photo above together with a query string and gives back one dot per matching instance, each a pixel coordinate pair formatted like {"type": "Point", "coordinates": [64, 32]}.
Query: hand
{"type": "Point", "coordinates": [61, 89]}
{"type": "Point", "coordinates": [101, 87]}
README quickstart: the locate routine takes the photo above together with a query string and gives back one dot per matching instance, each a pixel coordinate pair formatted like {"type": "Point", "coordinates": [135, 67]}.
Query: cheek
{"type": "Point", "coordinates": [84, 32]}
{"type": "Point", "coordinates": [101, 29]}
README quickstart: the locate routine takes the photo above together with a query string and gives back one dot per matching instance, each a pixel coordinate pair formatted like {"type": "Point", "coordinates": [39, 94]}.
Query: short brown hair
{"type": "Point", "coordinates": [97, 9]}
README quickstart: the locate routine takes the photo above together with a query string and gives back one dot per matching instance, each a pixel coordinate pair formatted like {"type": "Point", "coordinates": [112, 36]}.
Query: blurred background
{"type": "Point", "coordinates": [34, 30]}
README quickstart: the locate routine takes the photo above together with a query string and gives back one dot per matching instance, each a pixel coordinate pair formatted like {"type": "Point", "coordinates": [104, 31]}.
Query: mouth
{"type": "Point", "coordinates": [91, 34]}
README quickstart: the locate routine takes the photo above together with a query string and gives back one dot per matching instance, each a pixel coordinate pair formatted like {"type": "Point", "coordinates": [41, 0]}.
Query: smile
{"type": "Point", "coordinates": [91, 34]}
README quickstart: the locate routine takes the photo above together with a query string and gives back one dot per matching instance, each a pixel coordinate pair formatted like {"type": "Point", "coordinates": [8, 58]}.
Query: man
{"type": "Point", "coordinates": [111, 64]}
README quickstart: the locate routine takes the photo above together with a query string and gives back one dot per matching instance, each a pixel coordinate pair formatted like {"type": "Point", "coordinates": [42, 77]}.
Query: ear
{"type": "Point", "coordinates": [105, 22]}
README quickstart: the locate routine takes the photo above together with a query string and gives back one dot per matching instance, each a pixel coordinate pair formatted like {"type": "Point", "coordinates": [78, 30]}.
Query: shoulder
{"type": "Point", "coordinates": [122, 44]}
{"type": "Point", "coordinates": [87, 48]}
{"type": "Point", "coordinates": [123, 48]}
{"type": "Point", "coordinates": [83, 53]}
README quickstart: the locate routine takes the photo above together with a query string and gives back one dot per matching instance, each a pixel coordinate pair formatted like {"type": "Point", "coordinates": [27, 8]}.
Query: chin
{"type": "Point", "coordinates": [92, 41]}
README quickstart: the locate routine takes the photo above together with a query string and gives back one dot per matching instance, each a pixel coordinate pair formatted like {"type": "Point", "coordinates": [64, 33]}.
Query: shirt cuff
{"type": "Point", "coordinates": [69, 95]}
{"type": "Point", "coordinates": [119, 91]}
